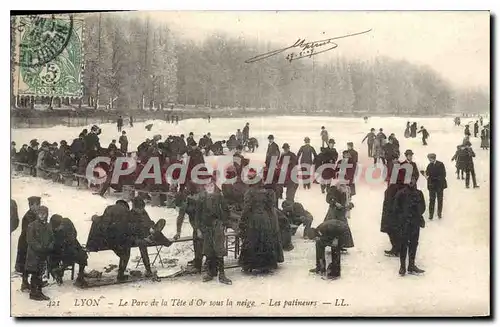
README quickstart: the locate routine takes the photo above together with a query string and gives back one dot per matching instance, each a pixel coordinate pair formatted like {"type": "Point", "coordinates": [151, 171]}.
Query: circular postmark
{"type": "Point", "coordinates": [42, 39]}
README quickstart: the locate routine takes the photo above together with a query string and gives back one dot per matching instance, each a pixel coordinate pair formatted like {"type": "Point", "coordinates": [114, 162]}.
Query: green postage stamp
{"type": "Point", "coordinates": [48, 58]}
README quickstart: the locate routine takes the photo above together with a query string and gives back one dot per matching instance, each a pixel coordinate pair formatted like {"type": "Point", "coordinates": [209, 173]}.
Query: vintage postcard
{"type": "Point", "coordinates": [319, 164]}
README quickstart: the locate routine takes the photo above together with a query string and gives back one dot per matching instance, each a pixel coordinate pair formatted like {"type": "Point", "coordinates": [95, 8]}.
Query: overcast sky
{"type": "Point", "coordinates": [456, 44]}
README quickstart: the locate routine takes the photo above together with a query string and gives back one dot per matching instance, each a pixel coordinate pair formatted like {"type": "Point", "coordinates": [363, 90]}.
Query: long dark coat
{"type": "Point", "coordinates": [66, 246]}
{"type": "Point", "coordinates": [111, 230]}
{"type": "Point", "coordinates": [14, 216]}
{"type": "Point", "coordinates": [389, 222]}
{"type": "Point", "coordinates": [259, 229]}
{"type": "Point", "coordinates": [333, 196]}
{"type": "Point", "coordinates": [212, 215]}
{"type": "Point", "coordinates": [22, 245]}
{"type": "Point", "coordinates": [272, 151]}
{"type": "Point", "coordinates": [485, 138]}
{"type": "Point", "coordinates": [307, 154]}
{"type": "Point", "coordinates": [436, 173]}
{"type": "Point", "coordinates": [40, 240]}
{"type": "Point", "coordinates": [409, 207]}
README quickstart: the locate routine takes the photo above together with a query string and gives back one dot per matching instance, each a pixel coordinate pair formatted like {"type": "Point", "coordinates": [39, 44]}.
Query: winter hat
{"type": "Point", "coordinates": [55, 221]}
{"type": "Point", "coordinates": [34, 200]}
{"type": "Point", "coordinates": [123, 202]}
{"type": "Point", "coordinates": [43, 210]}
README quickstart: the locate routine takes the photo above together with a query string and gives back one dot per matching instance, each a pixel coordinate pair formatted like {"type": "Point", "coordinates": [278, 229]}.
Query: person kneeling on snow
{"type": "Point", "coordinates": [297, 215]}
{"type": "Point", "coordinates": [329, 233]}
{"type": "Point", "coordinates": [67, 250]}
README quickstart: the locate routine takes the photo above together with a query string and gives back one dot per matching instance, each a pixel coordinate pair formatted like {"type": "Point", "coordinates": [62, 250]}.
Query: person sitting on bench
{"type": "Point", "coordinates": [67, 251]}
{"type": "Point", "coordinates": [117, 230]}
{"type": "Point", "coordinates": [329, 233]}
{"type": "Point", "coordinates": [143, 227]}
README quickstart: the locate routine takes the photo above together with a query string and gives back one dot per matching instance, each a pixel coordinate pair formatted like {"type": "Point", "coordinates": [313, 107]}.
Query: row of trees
{"type": "Point", "coordinates": [129, 62]}
{"type": "Point", "coordinates": [135, 63]}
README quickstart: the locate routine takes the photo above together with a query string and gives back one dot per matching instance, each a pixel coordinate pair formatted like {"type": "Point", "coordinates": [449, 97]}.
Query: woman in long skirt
{"type": "Point", "coordinates": [259, 230]}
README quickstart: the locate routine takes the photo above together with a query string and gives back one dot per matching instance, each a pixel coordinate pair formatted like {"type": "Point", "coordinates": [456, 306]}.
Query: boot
{"type": "Point", "coordinates": [207, 277]}
{"type": "Point", "coordinates": [121, 276]}
{"type": "Point", "coordinates": [415, 270]}
{"type": "Point", "coordinates": [36, 293]}
{"type": "Point", "coordinates": [402, 271]}
{"type": "Point", "coordinates": [25, 285]}
{"type": "Point", "coordinates": [80, 282]}
{"type": "Point", "coordinates": [391, 253]}
{"type": "Point", "coordinates": [222, 276]}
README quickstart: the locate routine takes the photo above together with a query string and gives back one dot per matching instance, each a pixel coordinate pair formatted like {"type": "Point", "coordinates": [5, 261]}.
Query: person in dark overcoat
{"type": "Point", "coordinates": [436, 184]}
{"type": "Point", "coordinates": [290, 182]}
{"type": "Point", "coordinates": [328, 165]}
{"type": "Point", "coordinates": [467, 131]}
{"type": "Point", "coordinates": [273, 151]}
{"type": "Point", "coordinates": [212, 216]}
{"type": "Point", "coordinates": [142, 226]}
{"type": "Point", "coordinates": [306, 156]}
{"type": "Point", "coordinates": [469, 165]}
{"type": "Point", "coordinates": [339, 204]}
{"type": "Point", "coordinates": [346, 171]}
{"type": "Point", "coordinates": [261, 248]}
{"type": "Point", "coordinates": [329, 233]}
{"type": "Point", "coordinates": [476, 128]}
{"type": "Point", "coordinates": [485, 138]}
{"type": "Point", "coordinates": [413, 130]}
{"type": "Point", "coordinates": [14, 216]}
{"type": "Point", "coordinates": [459, 158]}
{"type": "Point", "coordinates": [414, 169]}
{"type": "Point", "coordinates": [22, 245]}
{"type": "Point", "coordinates": [409, 206]}
{"type": "Point", "coordinates": [370, 138]}
{"type": "Point", "coordinates": [246, 133]}
{"type": "Point", "coordinates": [111, 231]}
{"type": "Point", "coordinates": [389, 222]}
{"type": "Point", "coordinates": [66, 251]}
{"type": "Point", "coordinates": [425, 135]}
{"type": "Point", "coordinates": [191, 205]}
{"type": "Point", "coordinates": [40, 241]}
{"type": "Point", "coordinates": [123, 140]}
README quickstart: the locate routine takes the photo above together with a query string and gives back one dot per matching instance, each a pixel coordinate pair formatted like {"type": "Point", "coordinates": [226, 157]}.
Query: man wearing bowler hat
{"type": "Point", "coordinates": [436, 183]}
{"type": "Point", "coordinates": [409, 160]}
{"type": "Point", "coordinates": [272, 150]}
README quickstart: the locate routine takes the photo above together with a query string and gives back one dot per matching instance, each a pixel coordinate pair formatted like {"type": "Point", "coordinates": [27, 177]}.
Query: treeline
{"type": "Point", "coordinates": [129, 62]}
{"type": "Point", "coordinates": [138, 63]}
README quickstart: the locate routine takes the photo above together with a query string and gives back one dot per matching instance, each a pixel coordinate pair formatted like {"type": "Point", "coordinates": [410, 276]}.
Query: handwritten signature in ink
{"type": "Point", "coordinates": [308, 49]}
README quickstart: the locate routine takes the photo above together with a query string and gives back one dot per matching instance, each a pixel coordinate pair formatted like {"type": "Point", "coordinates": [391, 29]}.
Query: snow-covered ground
{"type": "Point", "coordinates": [454, 251]}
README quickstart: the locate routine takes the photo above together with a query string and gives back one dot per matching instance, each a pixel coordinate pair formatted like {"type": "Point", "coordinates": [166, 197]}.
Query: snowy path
{"type": "Point", "coordinates": [454, 251]}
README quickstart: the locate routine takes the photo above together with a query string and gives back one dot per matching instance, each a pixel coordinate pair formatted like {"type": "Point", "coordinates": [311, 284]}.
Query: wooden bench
{"type": "Point", "coordinates": [26, 168]}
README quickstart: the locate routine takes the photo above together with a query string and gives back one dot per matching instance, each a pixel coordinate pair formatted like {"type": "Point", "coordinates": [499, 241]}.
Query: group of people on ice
{"type": "Point", "coordinates": [251, 209]}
